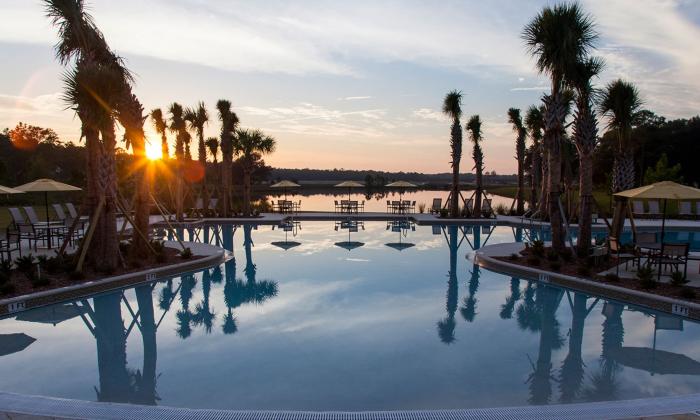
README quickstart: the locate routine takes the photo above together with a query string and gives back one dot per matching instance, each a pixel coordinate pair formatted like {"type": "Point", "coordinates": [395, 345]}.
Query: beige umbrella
{"type": "Point", "coordinates": [46, 186]}
{"type": "Point", "coordinates": [349, 185]}
{"type": "Point", "coordinates": [285, 185]}
{"type": "Point", "coordinates": [401, 185]}
{"type": "Point", "coordinates": [8, 190]}
{"type": "Point", "coordinates": [664, 190]}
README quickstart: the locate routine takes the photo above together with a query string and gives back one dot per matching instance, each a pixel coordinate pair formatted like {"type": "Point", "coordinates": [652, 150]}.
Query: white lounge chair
{"type": "Point", "coordinates": [654, 209]}
{"type": "Point", "coordinates": [684, 209]}
{"type": "Point", "coordinates": [437, 205]}
{"type": "Point", "coordinates": [638, 209]}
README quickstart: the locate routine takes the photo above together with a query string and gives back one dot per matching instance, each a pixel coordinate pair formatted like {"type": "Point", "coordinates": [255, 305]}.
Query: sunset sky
{"type": "Point", "coordinates": [348, 84]}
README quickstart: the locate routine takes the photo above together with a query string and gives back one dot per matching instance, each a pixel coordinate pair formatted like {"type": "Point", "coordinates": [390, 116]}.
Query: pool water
{"type": "Point", "coordinates": [325, 316]}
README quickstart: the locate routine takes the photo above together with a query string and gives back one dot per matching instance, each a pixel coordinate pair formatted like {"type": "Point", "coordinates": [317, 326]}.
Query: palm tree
{"type": "Point", "coordinates": [251, 146]}
{"type": "Point", "coordinates": [452, 107]}
{"type": "Point", "coordinates": [517, 122]}
{"type": "Point", "coordinates": [475, 135]}
{"type": "Point", "coordinates": [558, 37]}
{"type": "Point", "coordinates": [212, 143]}
{"type": "Point", "coordinates": [446, 326]}
{"type": "Point", "coordinates": [538, 188]}
{"type": "Point", "coordinates": [229, 122]}
{"type": "Point", "coordinates": [197, 118]}
{"type": "Point", "coordinates": [93, 89]}
{"type": "Point", "coordinates": [620, 102]}
{"type": "Point", "coordinates": [161, 125]}
{"type": "Point", "coordinates": [586, 139]}
{"type": "Point", "coordinates": [178, 126]}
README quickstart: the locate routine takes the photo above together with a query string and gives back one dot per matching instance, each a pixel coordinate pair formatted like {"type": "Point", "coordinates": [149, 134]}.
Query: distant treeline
{"type": "Point", "coordinates": [377, 178]}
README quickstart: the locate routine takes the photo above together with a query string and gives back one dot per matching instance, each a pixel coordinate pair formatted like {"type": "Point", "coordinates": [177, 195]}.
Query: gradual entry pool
{"type": "Point", "coordinates": [345, 316]}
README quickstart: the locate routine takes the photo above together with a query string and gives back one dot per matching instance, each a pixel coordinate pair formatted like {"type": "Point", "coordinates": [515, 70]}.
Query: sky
{"type": "Point", "coordinates": [355, 85]}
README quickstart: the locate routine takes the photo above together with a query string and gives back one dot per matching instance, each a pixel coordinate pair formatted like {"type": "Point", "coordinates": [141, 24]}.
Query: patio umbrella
{"type": "Point", "coordinates": [349, 185]}
{"type": "Point", "coordinates": [285, 185]}
{"type": "Point", "coordinates": [656, 361]}
{"type": "Point", "coordinates": [8, 190]}
{"type": "Point", "coordinates": [46, 186]}
{"type": "Point", "coordinates": [12, 343]}
{"type": "Point", "coordinates": [399, 226]}
{"type": "Point", "coordinates": [664, 190]}
{"type": "Point", "coordinates": [401, 185]}
{"type": "Point", "coordinates": [286, 244]}
{"type": "Point", "coordinates": [54, 314]}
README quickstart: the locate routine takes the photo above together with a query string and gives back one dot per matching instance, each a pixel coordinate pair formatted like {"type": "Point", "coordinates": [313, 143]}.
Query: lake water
{"type": "Point", "coordinates": [326, 316]}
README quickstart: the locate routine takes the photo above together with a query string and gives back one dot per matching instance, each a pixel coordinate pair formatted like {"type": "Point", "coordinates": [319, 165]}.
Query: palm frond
{"type": "Point", "coordinates": [452, 104]}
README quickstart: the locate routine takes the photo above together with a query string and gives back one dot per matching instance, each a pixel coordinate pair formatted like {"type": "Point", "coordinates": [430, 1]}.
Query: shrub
{"type": "Point", "coordinates": [552, 255]}
{"type": "Point", "coordinates": [514, 257]}
{"type": "Point", "coordinates": [25, 264]}
{"type": "Point", "coordinates": [7, 289]}
{"type": "Point", "coordinates": [444, 212]}
{"type": "Point", "coordinates": [124, 247]}
{"type": "Point", "coordinates": [566, 255]}
{"type": "Point", "coordinates": [421, 207]}
{"type": "Point", "coordinates": [40, 282]}
{"type": "Point", "coordinates": [612, 277]}
{"type": "Point", "coordinates": [134, 263]}
{"type": "Point", "coordinates": [538, 248]}
{"type": "Point", "coordinates": [533, 261]}
{"type": "Point", "coordinates": [161, 258]}
{"type": "Point", "coordinates": [4, 277]}
{"type": "Point", "coordinates": [687, 293]}
{"type": "Point", "coordinates": [555, 265]}
{"type": "Point", "coordinates": [186, 254]}
{"type": "Point", "coordinates": [76, 275]}
{"type": "Point", "coordinates": [500, 209]}
{"type": "Point", "coordinates": [646, 277]}
{"type": "Point", "coordinates": [6, 266]}
{"type": "Point", "coordinates": [678, 279]}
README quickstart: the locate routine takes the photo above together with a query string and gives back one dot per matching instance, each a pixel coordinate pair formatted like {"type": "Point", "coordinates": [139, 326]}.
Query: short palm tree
{"type": "Point", "coordinates": [212, 143]}
{"type": "Point", "coordinates": [229, 122]}
{"type": "Point", "coordinates": [558, 37]}
{"type": "Point", "coordinates": [521, 133]}
{"type": "Point", "coordinates": [161, 127]}
{"type": "Point", "coordinates": [585, 138]}
{"type": "Point", "coordinates": [476, 136]}
{"type": "Point", "coordinates": [452, 107]}
{"type": "Point", "coordinates": [538, 189]}
{"type": "Point", "coordinates": [197, 119]}
{"type": "Point", "coordinates": [178, 126]}
{"type": "Point", "coordinates": [250, 147]}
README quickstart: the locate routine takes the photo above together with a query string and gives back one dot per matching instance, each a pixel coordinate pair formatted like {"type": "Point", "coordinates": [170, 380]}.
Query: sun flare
{"type": "Point", "coordinates": [153, 151]}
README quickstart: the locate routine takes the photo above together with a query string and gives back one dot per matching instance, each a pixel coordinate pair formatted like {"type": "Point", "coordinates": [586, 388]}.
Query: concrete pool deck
{"type": "Point", "coordinates": [16, 406]}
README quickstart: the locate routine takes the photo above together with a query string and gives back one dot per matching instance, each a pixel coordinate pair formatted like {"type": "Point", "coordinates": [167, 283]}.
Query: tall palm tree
{"type": "Point", "coordinates": [538, 186]}
{"type": "Point", "coordinates": [620, 102]}
{"type": "Point", "coordinates": [161, 126]}
{"type": "Point", "coordinates": [212, 144]}
{"type": "Point", "coordinates": [251, 146]}
{"type": "Point", "coordinates": [197, 118]}
{"type": "Point", "coordinates": [93, 89]}
{"type": "Point", "coordinates": [452, 107]}
{"type": "Point", "coordinates": [585, 139]}
{"type": "Point", "coordinates": [475, 135]}
{"type": "Point", "coordinates": [229, 122]}
{"type": "Point", "coordinates": [557, 37]}
{"type": "Point", "coordinates": [521, 133]}
{"type": "Point", "coordinates": [446, 326]}
{"type": "Point", "coordinates": [178, 126]}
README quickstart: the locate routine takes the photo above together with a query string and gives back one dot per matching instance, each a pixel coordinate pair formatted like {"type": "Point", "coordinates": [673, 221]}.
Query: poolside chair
{"type": "Point", "coordinates": [675, 255]}
{"type": "Point", "coordinates": [9, 242]}
{"type": "Point", "coordinates": [74, 213]}
{"type": "Point", "coordinates": [52, 228]}
{"type": "Point", "coordinates": [437, 205]}
{"type": "Point", "coordinates": [654, 209]}
{"type": "Point", "coordinates": [620, 255]}
{"type": "Point", "coordinates": [469, 206]}
{"type": "Point", "coordinates": [25, 230]}
{"type": "Point", "coordinates": [437, 230]}
{"type": "Point", "coordinates": [684, 210]}
{"type": "Point", "coordinates": [68, 222]}
{"type": "Point", "coordinates": [638, 208]}
{"type": "Point", "coordinates": [213, 209]}
{"type": "Point", "coordinates": [198, 209]}
{"type": "Point", "coordinates": [486, 209]}
{"type": "Point", "coordinates": [337, 206]}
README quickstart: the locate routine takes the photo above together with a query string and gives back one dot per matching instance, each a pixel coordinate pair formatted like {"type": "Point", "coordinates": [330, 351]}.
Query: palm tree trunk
{"type": "Point", "coordinates": [147, 387]}
{"type": "Point", "coordinates": [535, 174]}
{"type": "Point", "coordinates": [246, 191]}
{"type": "Point", "coordinates": [454, 204]}
{"type": "Point", "coordinates": [479, 189]}
{"type": "Point", "coordinates": [520, 195]}
{"type": "Point", "coordinates": [103, 252]}
{"type": "Point", "coordinates": [555, 114]}
{"type": "Point", "coordinates": [544, 181]}
{"type": "Point", "coordinates": [226, 175]}
{"type": "Point", "coordinates": [141, 204]}
{"type": "Point", "coordinates": [586, 204]}
{"type": "Point", "coordinates": [179, 191]}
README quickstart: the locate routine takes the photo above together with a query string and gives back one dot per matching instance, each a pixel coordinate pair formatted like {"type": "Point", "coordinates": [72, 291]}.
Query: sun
{"type": "Point", "coordinates": [153, 151]}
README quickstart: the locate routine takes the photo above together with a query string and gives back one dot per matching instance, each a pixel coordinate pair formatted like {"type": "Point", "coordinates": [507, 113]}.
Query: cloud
{"type": "Point", "coordinates": [354, 98]}
{"type": "Point", "coordinates": [529, 88]}
{"type": "Point", "coordinates": [37, 105]}
{"type": "Point", "coordinates": [429, 114]}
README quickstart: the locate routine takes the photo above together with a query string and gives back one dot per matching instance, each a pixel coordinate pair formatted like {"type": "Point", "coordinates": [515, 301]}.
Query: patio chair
{"type": "Point", "coordinates": [337, 206]}
{"type": "Point", "coordinates": [437, 205]}
{"type": "Point", "coordinates": [654, 210]}
{"type": "Point", "coordinates": [52, 228]}
{"type": "Point", "coordinates": [9, 242]}
{"type": "Point", "coordinates": [25, 230]}
{"type": "Point", "coordinates": [213, 209]}
{"type": "Point", "coordinates": [638, 208]}
{"type": "Point", "coordinates": [486, 209]}
{"type": "Point", "coordinates": [395, 206]}
{"type": "Point", "coordinates": [74, 213]}
{"type": "Point", "coordinates": [645, 239]}
{"type": "Point", "coordinates": [413, 206]}
{"type": "Point", "coordinates": [198, 209]}
{"type": "Point", "coordinates": [361, 206]}
{"type": "Point", "coordinates": [68, 222]}
{"type": "Point", "coordinates": [674, 255]}
{"type": "Point", "coordinates": [469, 206]}
{"type": "Point", "coordinates": [620, 255]}
{"type": "Point", "coordinates": [684, 210]}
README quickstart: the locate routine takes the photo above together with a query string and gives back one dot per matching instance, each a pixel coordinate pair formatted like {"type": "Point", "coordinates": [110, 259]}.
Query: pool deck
{"type": "Point", "coordinates": [15, 406]}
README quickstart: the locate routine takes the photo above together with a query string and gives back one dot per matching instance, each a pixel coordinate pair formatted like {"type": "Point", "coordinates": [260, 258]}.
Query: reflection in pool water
{"type": "Point", "coordinates": [323, 327]}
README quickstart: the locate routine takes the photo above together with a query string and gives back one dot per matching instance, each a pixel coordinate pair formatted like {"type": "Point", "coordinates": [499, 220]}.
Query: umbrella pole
{"type": "Point", "coordinates": [46, 207]}
{"type": "Point", "coordinates": [663, 232]}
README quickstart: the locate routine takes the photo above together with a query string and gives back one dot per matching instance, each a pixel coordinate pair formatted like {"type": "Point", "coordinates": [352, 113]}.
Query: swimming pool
{"type": "Point", "coordinates": [326, 316]}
